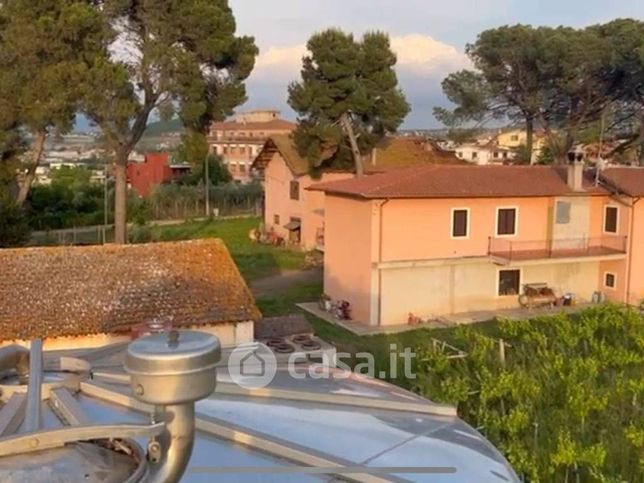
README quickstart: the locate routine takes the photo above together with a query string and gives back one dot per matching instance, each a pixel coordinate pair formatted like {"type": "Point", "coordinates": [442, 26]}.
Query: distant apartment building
{"type": "Point", "coordinates": [296, 214]}
{"type": "Point", "coordinates": [154, 170]}
{"type": "Point", "coordinates": [483, 155]}
{"type": "Point", "coordinates": [239, 140]}
{"type": "Point", "coordinates": [438, 240]}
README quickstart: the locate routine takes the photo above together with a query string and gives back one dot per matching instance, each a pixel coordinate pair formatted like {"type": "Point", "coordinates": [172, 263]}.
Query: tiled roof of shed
{"type": "Point", "coordinates": [628, 180]}
{"type": "Point", "coordinates": [76, 291]}
{"type": "Point", "coordinates": [441, 181]}
{"type": "Point", "coordinates": [394, 152]}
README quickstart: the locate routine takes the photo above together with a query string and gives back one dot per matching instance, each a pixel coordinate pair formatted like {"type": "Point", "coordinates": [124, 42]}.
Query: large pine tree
{"type": "Point", "coordinates": [348, 98]}
{"type": "Point", "coordinates": [174, 55]}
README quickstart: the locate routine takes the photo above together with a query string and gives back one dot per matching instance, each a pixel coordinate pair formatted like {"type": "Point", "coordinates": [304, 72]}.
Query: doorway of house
{"type": "Point", "coordinates": [294, 227]}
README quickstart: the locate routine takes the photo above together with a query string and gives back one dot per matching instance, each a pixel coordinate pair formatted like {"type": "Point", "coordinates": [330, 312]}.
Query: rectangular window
{"type": "Point", "coordinates": [242, 168]}
{"type": "Point", "coordinates": [610, 219]}
{"type": "Point", "coordinates": [509, 281]}
{"type": "Point", "coordinates": [276, 219]}
{"type": "Point", "coordinates": [295, 190]}
{"type": "Point", "coordinates": [475, 155]}
{"type": "Point", "coordinates": [562, 212]}
{"type": "Point", "coordinates": [460, 222]}
{"type": "Point", "coordinates": [225, 149]}
{"type": "Point", "coordinates": [506, 221]}
{"type": "Point", "coordinates": [514, 137]}
{"type": "Point", "coordinates": [233, 150]}
{"type": "Point", "coordinates": [496, 154]}
{"type": "Point", "coordinates": [242, 150]}
{"type": "Point", "coordinates": [610, 280]}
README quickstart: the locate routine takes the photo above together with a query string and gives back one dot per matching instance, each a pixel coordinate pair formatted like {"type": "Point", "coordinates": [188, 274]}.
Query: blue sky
{"type": "Point", "coordinates": [428, 35]}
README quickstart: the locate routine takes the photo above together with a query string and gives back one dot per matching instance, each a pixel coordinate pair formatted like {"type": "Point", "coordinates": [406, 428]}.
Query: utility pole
{"type": "Point", "coordinates": [207, 184]}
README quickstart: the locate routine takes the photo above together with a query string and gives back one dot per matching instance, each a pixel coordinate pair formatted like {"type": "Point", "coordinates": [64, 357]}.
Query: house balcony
{"type": "Point", "coordinates": [507, 251]}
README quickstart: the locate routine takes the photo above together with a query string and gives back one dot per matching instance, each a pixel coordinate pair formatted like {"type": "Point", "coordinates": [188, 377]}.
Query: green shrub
{"type": "Point", "coordinates": [14, 230]}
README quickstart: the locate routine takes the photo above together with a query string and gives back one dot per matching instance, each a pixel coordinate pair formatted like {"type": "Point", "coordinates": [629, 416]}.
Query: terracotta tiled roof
{"type": "Point", "coordinates": [275, 124]}
{"type": "Point", "coordinates": [628, 180]}
{"type": "Point", "coordinates": [76, 291]}
{"type": "Point", "coordinates": [395, 152]}
{"type": "Point", "coordinates": [441, 181]}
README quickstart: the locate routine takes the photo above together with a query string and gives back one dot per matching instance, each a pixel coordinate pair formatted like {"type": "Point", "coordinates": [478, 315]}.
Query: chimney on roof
{"type": "Point", "coordinates": [575, 175]}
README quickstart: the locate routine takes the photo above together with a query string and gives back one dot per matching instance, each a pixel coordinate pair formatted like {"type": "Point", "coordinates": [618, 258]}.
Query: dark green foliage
{"type": "Point", "coordinates": [562, 79]}
{"type": "Point", "coordinates": [567, 401]}
{"type": "Point", "coordinates": [342, 76]}
{"type": "Point", "coordinates": [14, 230]}
{"type": "Point", "coordinates": [71, 200]}
{"type": "Point", "coordinates": [44, 46]}
{"type": "Point", "coordinates": [189, 62]}
{"type": "Point", "coordinates": [193, 150]}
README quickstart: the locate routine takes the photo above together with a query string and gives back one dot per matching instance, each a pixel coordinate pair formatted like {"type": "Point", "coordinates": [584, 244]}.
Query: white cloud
{"type": "Point", "coordinates": [417, 53]}
{"type": "Point", "coordinates": [424, 55]}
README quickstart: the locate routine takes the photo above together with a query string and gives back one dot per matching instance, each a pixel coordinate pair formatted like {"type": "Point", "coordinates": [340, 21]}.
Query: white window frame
{"type": "Point", "coordinates": [516, 221]}
{"type": "Point", "coordinates": [451, 224]}
{"type": "Point", "coordinates": [606, 286]}
{"type": "Point", "coordinates": [497, 281]}
{"type": "Point", "coordinates": [616, 232]}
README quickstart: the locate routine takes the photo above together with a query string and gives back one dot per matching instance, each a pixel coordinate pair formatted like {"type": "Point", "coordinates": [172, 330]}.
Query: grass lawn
{"type": "Point", "coordinates": [254, 261]}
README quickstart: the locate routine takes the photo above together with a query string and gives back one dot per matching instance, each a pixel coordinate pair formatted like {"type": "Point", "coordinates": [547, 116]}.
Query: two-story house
{"type": "Point", "coordinates": [440, 240]}
{"type": "Point", "coordinates": [297, 214]}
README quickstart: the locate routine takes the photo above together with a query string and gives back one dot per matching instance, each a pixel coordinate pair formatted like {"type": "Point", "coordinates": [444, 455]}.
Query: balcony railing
{"type": "Point", "coordinates": [512, 251]}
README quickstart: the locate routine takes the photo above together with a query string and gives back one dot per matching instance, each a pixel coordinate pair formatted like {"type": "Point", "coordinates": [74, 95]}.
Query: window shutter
{"type": "Point", "coordinates": [459, 223]}
{"type": "Point", "coordinates": [507, 222]}
{"type": "Point", "coordinates": [610, 223]}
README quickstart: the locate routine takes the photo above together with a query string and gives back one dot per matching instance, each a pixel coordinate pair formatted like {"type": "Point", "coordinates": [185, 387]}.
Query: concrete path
{"type": "Point", "coordinates": [276, 285]}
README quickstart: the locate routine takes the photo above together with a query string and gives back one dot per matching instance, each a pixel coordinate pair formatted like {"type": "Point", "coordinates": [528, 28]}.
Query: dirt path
{"type": "Point", "coordinates": [277, 284]}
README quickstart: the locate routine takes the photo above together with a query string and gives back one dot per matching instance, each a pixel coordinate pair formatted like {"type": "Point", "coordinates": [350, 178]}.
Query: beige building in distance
{"type": "Point", "coordinates": [238, 141]}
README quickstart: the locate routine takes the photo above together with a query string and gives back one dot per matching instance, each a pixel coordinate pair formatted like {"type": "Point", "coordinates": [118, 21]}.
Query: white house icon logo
{"type": "Point", "coordinates": [252, 366]}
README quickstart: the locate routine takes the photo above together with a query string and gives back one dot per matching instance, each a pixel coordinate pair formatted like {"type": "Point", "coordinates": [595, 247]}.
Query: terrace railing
{"type": "Point", "coordinates": [510, 251]}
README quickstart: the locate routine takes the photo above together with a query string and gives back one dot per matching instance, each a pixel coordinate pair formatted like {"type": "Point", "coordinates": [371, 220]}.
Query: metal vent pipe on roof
{"type": "Point", "coordinates": [172, 371]}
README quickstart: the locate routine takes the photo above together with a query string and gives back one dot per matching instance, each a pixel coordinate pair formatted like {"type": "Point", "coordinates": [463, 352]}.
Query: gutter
{"type": "Point", "coordinates": [630, 249]}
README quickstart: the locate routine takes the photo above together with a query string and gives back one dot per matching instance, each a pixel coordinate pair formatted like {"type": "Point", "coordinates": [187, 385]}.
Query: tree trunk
{"type": "Point", "coordinates": [529, 140]}
{"type": "Point", "coordinates": [39, 147]}
{"type": "Point", "coordinates": [641, 159]}
{"type": "Point", "coordinates": [120, 199]}
{"type": "Point", "coordinates": [345, 122]}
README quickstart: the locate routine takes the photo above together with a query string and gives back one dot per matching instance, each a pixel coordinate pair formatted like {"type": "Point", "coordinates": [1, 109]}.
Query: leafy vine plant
{"type": "Point", "coordinates": [564, 405]}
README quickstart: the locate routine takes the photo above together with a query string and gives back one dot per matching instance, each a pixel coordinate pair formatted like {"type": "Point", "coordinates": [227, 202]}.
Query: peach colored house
{"type": "Point", "coordinates": [439, 240]}
{"type": "Point", "coordinates": [296, 213]}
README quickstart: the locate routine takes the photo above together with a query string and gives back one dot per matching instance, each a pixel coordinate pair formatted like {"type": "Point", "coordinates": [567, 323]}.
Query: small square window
{"type": "Point", "coordinates": [562, 212]}
{"type": "Point", "coordinates": [509, 281]}
{"type": "Point", "coordinates": [610, 219]}
{"type": "Point", "coordinates": [276, 219]}
{"type": "Point", "coordinates": [295, 190]}
{"type": "Point", "coordinates": [610, 280]}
